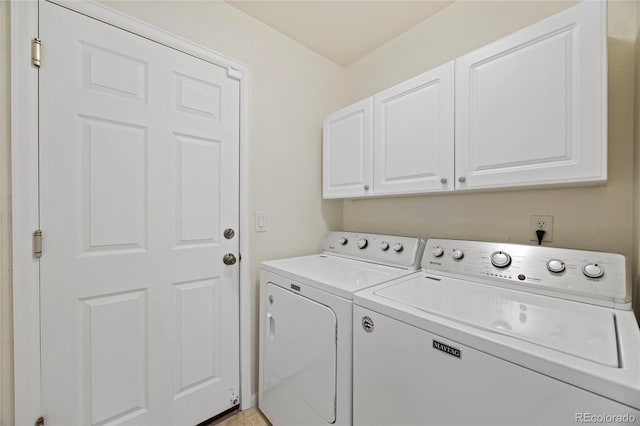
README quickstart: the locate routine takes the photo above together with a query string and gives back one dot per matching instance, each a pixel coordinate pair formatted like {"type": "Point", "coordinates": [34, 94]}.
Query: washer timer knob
{"type": "Point", "coordinates": [343, 241]}
{"type": "Point", "coordinates": [437, 251]}
{"type": "Point", "coordinates": [593, 270]}
{"type": "Point", "coordinates": [362, 243]}
{"type": "Point", "coordinates": [397, 247]}
{"type": "Point", "coordinates": [500, 259]}
{"type": "Point", "coordinates": [556, 266]}
{"type": "Point", "coordinates": [457, 254]}
{"type": "Point", "coordinates": [384, 246]}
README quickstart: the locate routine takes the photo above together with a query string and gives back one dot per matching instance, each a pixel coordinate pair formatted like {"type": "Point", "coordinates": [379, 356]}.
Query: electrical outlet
{"type": "Point", "coordinates": [541, 222]}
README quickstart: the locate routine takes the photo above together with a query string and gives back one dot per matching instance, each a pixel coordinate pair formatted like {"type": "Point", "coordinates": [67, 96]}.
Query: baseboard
{"type": "Point", "coordinates": [253, 402]}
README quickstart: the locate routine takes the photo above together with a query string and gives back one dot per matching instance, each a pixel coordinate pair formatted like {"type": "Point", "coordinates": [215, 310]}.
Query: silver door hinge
{"type": "Point", "coordinates": [39, 422]}
{"type": "Point", "coordinates": [37, 244]}
{"type": "Point", "coordinates": [36, 44]}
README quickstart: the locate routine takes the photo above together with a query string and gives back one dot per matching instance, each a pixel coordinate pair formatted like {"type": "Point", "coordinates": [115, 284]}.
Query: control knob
{"type": "Point", "coordinates": [437, 251]}
{"type": "Point", "coordinates": [500, 259]}
{"type": "Point", "coordinates": [343, 241]}
{"type": "Point", "coordinates": [555, 265]}
{"type": "Point", "coordinates": [384, 246]}
{"type": "Point", "coordinates": [593, 270]}
{"type": "Point", "coordinates": [362, 243]}
{"type": "Point", "coordinates": [457, 254]}
{"type": "Point", "coordinates": [397, 247]}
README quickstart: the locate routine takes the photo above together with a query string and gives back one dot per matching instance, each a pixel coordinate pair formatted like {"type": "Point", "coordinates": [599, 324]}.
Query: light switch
{"type": "Point", "coordinates": [260, 221]}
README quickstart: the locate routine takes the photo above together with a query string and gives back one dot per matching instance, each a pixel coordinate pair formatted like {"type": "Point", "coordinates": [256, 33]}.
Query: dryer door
{"type": "Point", "coordinates": [299, 364]}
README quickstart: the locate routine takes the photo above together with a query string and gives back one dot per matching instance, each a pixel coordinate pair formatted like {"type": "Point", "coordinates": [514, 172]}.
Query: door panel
{"type": "Point", "coordinates": [118, 379]}
{"type": "Point", "coordinates": [107, 225]}
{"type": "Point", "coordinates": [139, 176]}
{"type": "Point", "coordinates": [413, 137]}
{"type": "Point", "coordinates": [300, 352]}
{"type": "Point", "coordinates": [531, 107]}
{"type": "Point", "coordinates": [347, 151]}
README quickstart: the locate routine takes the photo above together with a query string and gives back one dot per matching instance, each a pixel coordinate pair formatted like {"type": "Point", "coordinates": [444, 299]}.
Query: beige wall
{"type": "Point", "coordinates": [598, 218]}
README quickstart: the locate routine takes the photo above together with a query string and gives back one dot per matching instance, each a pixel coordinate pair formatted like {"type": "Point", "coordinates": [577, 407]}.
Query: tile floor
{"type": "Point", "coordinates": [250, 417]}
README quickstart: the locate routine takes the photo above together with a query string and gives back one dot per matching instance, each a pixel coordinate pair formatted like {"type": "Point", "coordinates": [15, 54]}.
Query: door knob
{"type": "Point", "coordinates": [229, 259]}
{"type": "Point", "coordinates": [229, 233]}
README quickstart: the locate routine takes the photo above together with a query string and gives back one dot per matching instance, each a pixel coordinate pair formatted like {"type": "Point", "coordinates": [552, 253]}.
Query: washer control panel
{"type": "Point", "coordinates": [595, 277]}
{"type": "Point", "coordinates": [386, 249]}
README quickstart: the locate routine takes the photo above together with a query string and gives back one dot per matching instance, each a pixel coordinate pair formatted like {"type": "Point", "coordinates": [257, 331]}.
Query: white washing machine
{"type": "Point", "coordinates": [491, 333]}
{"type": "Point", "coordinates": [306, 323]}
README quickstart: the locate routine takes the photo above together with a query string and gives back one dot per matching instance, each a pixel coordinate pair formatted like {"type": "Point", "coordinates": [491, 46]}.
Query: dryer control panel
{"type": "Point", "coordinates": [393, 250]}
{"type": "Point", "coordinates": [585, 276]}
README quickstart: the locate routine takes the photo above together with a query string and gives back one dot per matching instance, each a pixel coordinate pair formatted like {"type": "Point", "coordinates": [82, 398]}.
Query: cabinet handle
{"type": "Point", "coordinates": [461, 179]}
{"type": "Point", "coordinates": [443, 180]}
{"type": "Point", "coordinates": [366, 187]}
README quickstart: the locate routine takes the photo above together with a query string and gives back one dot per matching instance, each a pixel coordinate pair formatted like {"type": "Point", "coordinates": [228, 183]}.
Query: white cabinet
{"type": "Point", "coordinates": [531, 108]}
{"type": "Point", "coordinates": [347, 151]}
{"type": "Point", "coordinates": [413, 135]}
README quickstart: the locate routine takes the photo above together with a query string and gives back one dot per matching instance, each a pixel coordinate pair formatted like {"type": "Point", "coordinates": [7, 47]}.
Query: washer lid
{"type": "Point", "coordinates": [568, 327]}
{"type": "Point", "coordinates": [334, 274]}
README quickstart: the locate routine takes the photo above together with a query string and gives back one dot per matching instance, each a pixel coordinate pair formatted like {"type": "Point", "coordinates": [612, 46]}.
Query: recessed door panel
{"type": "Point", "coordinates": [198, 186]}
{"type": "Point", "coordinates": [113, 72]}
{"type": "Point", "coordinates": [115, 352]}
{"type": "Point", "coordinates": [114, 163]}
{"type": "Point", "coordinates": [300, 351]}
{"type": "Point", "coordinates": [198, 361]}
{"type": "Point", "coordinates": [198, 96]}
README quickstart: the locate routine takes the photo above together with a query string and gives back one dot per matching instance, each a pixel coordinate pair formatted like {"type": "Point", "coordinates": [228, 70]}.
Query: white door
{"type": "Point", "coordinates": [531, 108]}
{"type": "Point", "coordinates": [138, 178]}
{"type": "Point", "coordinates": [413, 135]}
{"type": "Point", "coordinates": [347, 151]}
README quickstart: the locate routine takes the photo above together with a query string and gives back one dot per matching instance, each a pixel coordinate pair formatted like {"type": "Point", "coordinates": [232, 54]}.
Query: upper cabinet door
{"type": "Point", "coordinates": [531, 107]}
{"type": "Point", "coordinates": [413, 135]}
{"type": "Point", "coordinates": [347, 156]}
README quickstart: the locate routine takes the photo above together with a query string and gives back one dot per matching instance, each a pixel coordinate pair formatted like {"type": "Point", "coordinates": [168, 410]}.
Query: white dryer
{"type": "Point", "coordinates": [305, 374]}
{"type": "Point", "coordinates": [491, 333]}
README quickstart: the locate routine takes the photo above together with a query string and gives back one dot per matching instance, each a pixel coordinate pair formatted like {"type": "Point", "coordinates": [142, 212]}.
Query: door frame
{"type": "Point", "coordinates": [25, 199]}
